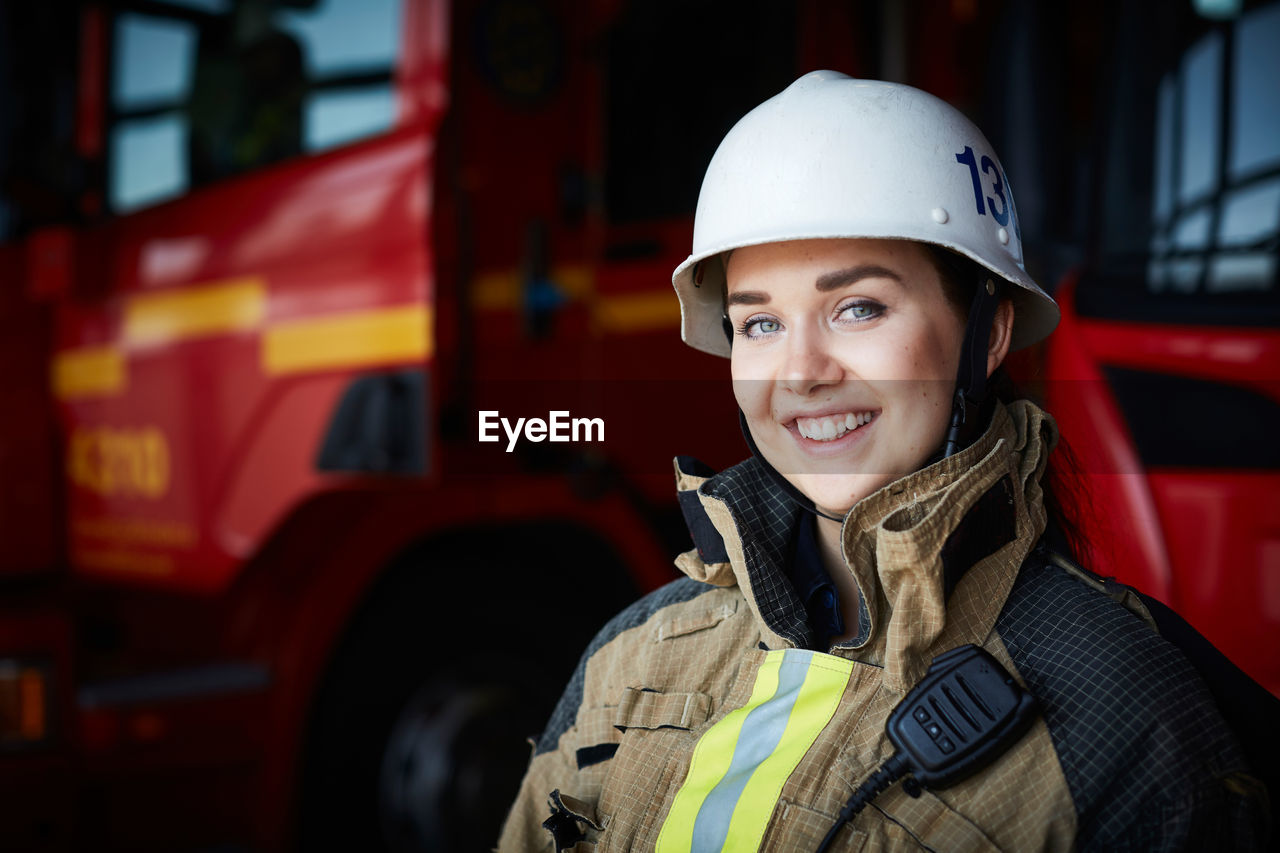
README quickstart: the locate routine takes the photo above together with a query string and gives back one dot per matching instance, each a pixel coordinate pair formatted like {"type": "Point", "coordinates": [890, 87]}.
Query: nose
{"type": "Point", "coordinates": [809, 364]}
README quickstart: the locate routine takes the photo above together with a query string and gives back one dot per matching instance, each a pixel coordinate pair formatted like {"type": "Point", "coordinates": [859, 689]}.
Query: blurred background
{"type": "Point", "coordinates": [263, 262]}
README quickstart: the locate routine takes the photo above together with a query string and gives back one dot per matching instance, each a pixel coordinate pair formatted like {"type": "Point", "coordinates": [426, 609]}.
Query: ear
{"type": "Point", "coordinates": [1001, 335]}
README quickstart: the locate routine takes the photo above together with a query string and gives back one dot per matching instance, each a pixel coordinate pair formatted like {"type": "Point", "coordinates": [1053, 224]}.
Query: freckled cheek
{"type": "Point", "coordinates": [944, 352]}
{"type": "Point", "coordinates": [905, 354]}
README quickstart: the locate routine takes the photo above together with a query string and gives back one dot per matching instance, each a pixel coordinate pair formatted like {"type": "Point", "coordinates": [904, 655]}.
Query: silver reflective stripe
{"type": "Point", "coordinates": [761, 734]}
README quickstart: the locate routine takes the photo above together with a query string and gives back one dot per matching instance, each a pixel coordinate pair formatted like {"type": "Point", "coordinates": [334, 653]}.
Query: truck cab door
{"type": "Point", "coordinates": [262, 244]}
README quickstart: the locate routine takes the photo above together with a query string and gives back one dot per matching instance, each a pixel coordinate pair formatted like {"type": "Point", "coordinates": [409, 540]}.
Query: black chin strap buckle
{"type": "Point", "coordinates": [959, 417]}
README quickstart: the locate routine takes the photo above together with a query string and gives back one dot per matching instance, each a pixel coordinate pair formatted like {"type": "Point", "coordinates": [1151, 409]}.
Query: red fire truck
{"type": "Point", "coordinates": [1165, 370]}
{"type": "Point", "coordinates": [265, 263]}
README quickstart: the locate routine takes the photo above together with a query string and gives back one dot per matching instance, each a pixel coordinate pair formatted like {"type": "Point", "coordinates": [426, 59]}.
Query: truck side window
{"type": "Point", "coordinates": [209, 89]}
{"type": "Point", "coordinates": [150, 82]}
{"type": "Point", "coordinates": [1189, 186]}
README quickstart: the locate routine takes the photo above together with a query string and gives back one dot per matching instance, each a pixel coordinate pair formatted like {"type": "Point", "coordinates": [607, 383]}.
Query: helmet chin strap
{"type": "Point", "coordinates": [966, 407]}
{"type": "Point", "coordinates": [971, 378]}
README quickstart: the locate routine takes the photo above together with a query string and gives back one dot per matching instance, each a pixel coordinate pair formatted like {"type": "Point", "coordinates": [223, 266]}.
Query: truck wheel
{"type": "Point", "coordinates": [419, 731]}
{"type": "Point", "coordinates": [406, 758]}
{"type": "Point", "coordinates": [454, 758]}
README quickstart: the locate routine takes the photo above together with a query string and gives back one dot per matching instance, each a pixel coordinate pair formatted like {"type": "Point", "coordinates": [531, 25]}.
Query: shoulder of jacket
{"type": "Point", "coordinates": [1131, 721]}
{"type": "Point", "coordinates": [1075, 627]}
{"type": "Point", "coordinates": [1124, 595]}
{"type": "Point", "coordinates": [650, 608]}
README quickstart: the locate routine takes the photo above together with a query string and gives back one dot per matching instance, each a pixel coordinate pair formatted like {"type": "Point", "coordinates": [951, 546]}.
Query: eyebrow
{"type": "Point", "coordinates": [825, 283]}
{"type": "Point", "coordinates": [835, 280]}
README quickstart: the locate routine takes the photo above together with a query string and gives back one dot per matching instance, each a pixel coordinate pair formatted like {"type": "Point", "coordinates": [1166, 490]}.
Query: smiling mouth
{"type": "Point", "coordinates": [832, 427]}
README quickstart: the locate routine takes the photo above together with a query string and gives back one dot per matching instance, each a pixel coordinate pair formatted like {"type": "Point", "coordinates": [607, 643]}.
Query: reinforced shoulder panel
{"type": "Point", "coordinates": [1150, 762]}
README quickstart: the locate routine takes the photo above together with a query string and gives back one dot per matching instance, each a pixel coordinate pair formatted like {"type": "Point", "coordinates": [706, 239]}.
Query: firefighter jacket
{"type": "Point", "coordinates": [702, 718]}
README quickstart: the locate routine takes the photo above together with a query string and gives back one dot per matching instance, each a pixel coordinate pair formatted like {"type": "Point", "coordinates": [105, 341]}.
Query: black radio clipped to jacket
{"type": "Point", "coordinates": [964, 713]}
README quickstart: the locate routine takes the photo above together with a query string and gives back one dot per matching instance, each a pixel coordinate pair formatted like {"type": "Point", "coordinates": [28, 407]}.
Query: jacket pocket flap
{"type": "Point", "coordinates": [649, 709]}
{"type": "Point", "coordinates": [697, 621]}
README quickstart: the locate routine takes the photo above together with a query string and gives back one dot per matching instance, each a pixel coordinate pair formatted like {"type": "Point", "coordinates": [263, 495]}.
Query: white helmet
{"type": "Point", "coordinates": [832, 156]}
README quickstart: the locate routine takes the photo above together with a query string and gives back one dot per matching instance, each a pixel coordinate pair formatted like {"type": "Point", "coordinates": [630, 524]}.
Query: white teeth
{"type": "Point", "coordinates": [832, 426]}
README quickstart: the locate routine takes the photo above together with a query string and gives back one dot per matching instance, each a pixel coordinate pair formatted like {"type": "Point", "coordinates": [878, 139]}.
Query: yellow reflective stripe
{"type": "Point", "coordinates": [813, 709]}
{"type": "Point", "coordinates": [236, 305]}
{"type": "Point", "coordinates": [740, 764]}
{"type": "Point", "coordinates": [348, 340]}
{"type": "Point", "coordinates": [711, 759]}
{"type": "Point", "coordinates": [88, 372]}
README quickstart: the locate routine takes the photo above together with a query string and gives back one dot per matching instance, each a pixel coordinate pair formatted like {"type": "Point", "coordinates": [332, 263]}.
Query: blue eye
{"type": "Point", "coordinates": [861, 310]}
{"type": "Point", "coordinates": [755, 327]}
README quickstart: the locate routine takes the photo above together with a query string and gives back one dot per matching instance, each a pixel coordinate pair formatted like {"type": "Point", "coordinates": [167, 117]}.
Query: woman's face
{"type": "Point", "coordinates": [844, 360]}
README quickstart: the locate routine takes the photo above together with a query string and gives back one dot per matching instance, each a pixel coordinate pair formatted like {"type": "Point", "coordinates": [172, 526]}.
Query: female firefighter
{"type": "Point", "coordinates": [857, 257]}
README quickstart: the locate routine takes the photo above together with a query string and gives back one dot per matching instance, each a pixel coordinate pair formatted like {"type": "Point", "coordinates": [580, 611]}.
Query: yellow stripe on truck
{"type": "Point", "coordinates": [356, 339]}
{"type": "Point", "coordinates": [88, 372]}
{"type": "Point", "coordinates": [613, 313]}
{"type": "Point", "coordinates": [327, 342]}
{"type": "Point", "coordinates": [503, 290]}
{"type": "Point", "coordinates": [235, 305]}
{"type": "Point", "coordinates": [638, 312]}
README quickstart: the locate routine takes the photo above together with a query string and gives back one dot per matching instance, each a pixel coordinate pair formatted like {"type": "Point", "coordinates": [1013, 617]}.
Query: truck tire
{"type": "Point", "coordinates": [420, 729]}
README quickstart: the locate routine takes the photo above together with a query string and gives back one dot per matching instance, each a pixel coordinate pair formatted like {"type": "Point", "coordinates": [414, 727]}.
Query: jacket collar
{"type": "Point", "coordinates": [934, 553]}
